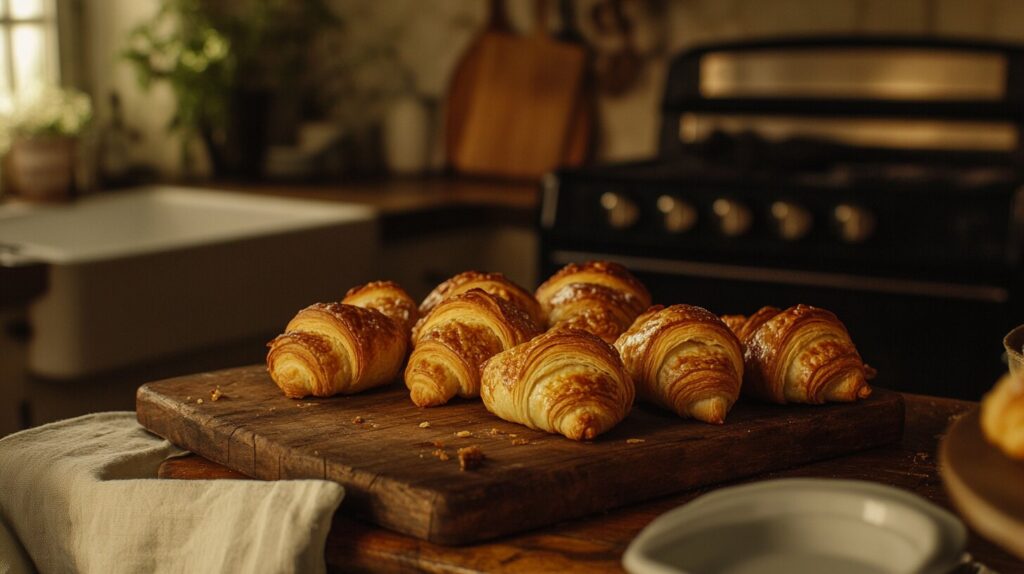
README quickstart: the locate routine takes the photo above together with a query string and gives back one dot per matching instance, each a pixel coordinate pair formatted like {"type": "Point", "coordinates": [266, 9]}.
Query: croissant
{"type": "Point", "coordinates": [388, 298]}
{"type": "Point", "coordinates": [801, 355]}
{"type": "Point", "coordinates": [454, 340]}
{"type": "Point", "coordinates": [332, 348]}
{"type": "Point", "coordinates": [495, 284]}
{"type": "Point", "coordinates": [566, 382]}
{"type": "Point", "coordinates": [1002, 416]}
{"type": "Point", "coordinates": [599, 297]}
{"type": "Point", "coordinates": [686, 359]}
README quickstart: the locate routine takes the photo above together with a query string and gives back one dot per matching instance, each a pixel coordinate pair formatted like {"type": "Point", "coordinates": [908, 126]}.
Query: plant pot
{"type": "Point", "coordinates": [42, 168]}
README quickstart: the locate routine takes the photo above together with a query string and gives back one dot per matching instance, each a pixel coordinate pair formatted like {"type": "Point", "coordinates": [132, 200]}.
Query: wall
{"type": "Point", "coordinates": [106, 24]}
{"type": "Point", "coordinates": [429, 36]}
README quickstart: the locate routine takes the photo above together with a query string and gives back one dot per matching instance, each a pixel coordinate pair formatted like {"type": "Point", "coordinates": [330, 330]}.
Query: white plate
{"type": "Point", "coordinates": [800, 525]}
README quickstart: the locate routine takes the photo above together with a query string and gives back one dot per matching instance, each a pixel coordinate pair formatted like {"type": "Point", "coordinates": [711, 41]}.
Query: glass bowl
{"type": "Point", "coordinates": [1013, 342]}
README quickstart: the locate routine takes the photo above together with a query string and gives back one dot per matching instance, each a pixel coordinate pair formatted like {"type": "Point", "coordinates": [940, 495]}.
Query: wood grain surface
{"type": "Point", "coordinates": [517, 118]}
{"type": "Point", "coordinates": [986, 485]}
{"type": "Point", "coordinates": [393, 478]}
{"type": "Point", "coordinates": [596, 543]}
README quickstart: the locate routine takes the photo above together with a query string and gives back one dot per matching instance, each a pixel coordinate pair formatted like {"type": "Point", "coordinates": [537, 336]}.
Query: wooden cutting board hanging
{"type": "Point", "coordinates": [513, 101]}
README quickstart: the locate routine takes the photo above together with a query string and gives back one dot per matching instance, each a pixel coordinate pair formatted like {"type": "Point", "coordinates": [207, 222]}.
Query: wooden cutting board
{"type": "Point", "coordinates": [516, 107]}
{"type": "Point", "coordinates": [393, 479]}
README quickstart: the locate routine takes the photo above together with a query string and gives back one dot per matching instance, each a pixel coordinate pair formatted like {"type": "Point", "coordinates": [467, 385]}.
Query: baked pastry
{"type": "Point", "coordinates": [495, 284]}
{"type": "Point", "coordinates": [453, 341]}
{"type": "Point", "coordinates": [388, 298]}
{"type": "Point", "coordinates": [332, 348]}
{"type": "Point", "coordinates": [599, 297]}
{"type": "Point", "coordinates": [800, 355]}
{"type": "Point", "coordinates": [684, 358]}
{"type": "Point", "coordinates": [1002, 416]}
{"type": "Point", "coordinates": [566, 382]}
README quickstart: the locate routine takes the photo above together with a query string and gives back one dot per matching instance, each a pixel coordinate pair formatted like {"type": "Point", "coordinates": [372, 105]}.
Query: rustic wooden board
{"type": "Point", "coordinates": [393, 480]}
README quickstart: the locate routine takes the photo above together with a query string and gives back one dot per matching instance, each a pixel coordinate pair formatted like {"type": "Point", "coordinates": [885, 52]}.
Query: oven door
{"type": "Point", "coordinates": [923, 337]}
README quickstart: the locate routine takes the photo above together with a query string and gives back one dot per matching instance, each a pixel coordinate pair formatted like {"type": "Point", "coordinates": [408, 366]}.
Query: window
{"type": "Point", "coordinates": [28, 45]}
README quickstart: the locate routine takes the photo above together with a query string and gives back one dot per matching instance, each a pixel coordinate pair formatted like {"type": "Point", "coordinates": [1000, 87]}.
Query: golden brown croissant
{"type": "Point", "coordinates": [331, 348]}
{"type": "Point", "coordinates": [1002, 416]}
{"type": "Point", "coordinates": [388, 298]}
{"type": "Point", "coordinates": [567, 382]}
{"type": "Point", "coordinates": [801, 355]}
{"type": "Point", "coordinates": [599, 297]}
{"type": "Point", "coordinates": [686, 359]}
{"type": "Point", "coordinates": [495, 284]}
{"type": "Point", "coordinates": [454, 340]}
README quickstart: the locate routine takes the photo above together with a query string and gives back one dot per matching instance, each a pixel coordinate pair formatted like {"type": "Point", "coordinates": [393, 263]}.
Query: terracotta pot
{"type": "Point", "coordinates": [42, 168]}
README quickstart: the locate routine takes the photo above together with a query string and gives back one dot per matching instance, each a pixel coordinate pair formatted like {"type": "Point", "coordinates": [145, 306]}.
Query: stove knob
{"type": "Point", "coordinates": [854, 224]}
{"type": "Point", "coordinates": [792, 221]}
{"type": "Point", "coordinates": [733, 217]}
{"type": "Point", "coordinates": [679, 215]}
{"type": "Point", "coordinates": [622, 213]}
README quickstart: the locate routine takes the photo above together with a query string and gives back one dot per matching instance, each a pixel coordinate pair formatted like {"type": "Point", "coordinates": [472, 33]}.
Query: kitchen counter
{"type": "Point", "coordinates": [411, 207]}
{"type": "Point", "coordinates": [596, 544]}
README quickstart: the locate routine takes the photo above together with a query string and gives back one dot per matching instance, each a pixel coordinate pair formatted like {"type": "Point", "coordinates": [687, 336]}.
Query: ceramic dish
{"type": "Point", "coordinates": [800, 525]}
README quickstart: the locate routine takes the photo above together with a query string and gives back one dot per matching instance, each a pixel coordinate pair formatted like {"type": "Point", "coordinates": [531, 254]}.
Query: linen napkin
{"type": "Point", "coordinates": [80, 495]}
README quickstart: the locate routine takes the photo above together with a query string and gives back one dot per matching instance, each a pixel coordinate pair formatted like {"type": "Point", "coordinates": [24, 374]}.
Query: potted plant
{"type": "Point", "coordinates": [224, 63]}
{"type": "Point", "coordinates": [39, 136]}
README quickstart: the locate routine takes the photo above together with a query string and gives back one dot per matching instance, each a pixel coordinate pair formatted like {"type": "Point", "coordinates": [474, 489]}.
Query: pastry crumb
{"type": "Point", "coordinates": [199, 401]}
{"type": "Point", "coordinates": [520, 441]}
{"type": "Point", "coordinates": [470, 457]}
{"type": "Point", "coordinates": [374, 425]}
{"type": "Point", "coordinates": [189, 398]}
{"type": "Point", "coordinates": [425, 425]}
{"type": "Point", "coordinates": [358, 420]}
{"type": "Point", "coordinates": [512, 435]}
{"type": "Point", "coordinates": [463, 434]}
{"type": "Point", "coordinates": [437, 444]}
{"type": "Point", "coordinates": [215, 394]}
{"type": "Point", "coordinates": [441, 454]}
{"type": "Point", "coordinates": [635, 440]}
{"type": "Point", "coordinates": [494, 432]}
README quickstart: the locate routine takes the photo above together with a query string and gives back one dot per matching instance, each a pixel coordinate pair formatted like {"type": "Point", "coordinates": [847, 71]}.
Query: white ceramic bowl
{"type": "Point", "coordinates": [800, 525]}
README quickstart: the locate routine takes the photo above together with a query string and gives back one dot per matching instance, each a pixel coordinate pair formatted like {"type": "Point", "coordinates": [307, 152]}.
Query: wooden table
{"type": "Point", "coordinates": [596, 544]}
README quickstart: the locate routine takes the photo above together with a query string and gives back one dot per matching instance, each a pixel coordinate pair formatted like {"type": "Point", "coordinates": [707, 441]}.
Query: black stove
{"type": "Point", "coordinates": [912, 237]}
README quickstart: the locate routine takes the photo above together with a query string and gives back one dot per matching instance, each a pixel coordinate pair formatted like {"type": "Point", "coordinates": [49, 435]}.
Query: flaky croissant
{"type": "Point", "coordinates": [453, 341]}
{"type": "Point", "coordinates": [388, 298]}
{"type": "Point", "coordinates": [567, 382]}
{"type": "Point", "coordinates": [1002, 416]}
{"type": "Point", "coordinates": [332, 348]}
{"type": "Point", "coordinates": [599, 297]}
{"type": "Point", "coordinates": [494, 284]}
{"type": "Point", "coordinates": [686, 359]}
{"type": "Point", "coordinates": [800, 355]}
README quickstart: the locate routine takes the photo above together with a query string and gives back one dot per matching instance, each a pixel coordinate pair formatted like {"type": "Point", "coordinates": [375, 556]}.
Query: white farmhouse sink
{"type": "Point", "coordinates": [144, 274]}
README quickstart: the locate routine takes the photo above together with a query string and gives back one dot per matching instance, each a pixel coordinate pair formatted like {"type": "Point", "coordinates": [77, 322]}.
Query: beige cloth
{"type": "Point", "coordinates": [79, 496]}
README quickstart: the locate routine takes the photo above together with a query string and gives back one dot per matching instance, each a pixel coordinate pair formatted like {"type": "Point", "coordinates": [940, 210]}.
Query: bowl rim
{"type": "Point", "coordinates": [945, 551]}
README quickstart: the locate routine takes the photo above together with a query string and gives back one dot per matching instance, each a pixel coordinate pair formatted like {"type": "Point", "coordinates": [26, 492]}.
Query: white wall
{"type": "Point", "coordinates": [107, 24]}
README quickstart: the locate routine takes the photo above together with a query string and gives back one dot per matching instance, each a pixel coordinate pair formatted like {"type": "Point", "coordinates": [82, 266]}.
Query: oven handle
{"type": "Point", "coordinates": [986, 293]}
